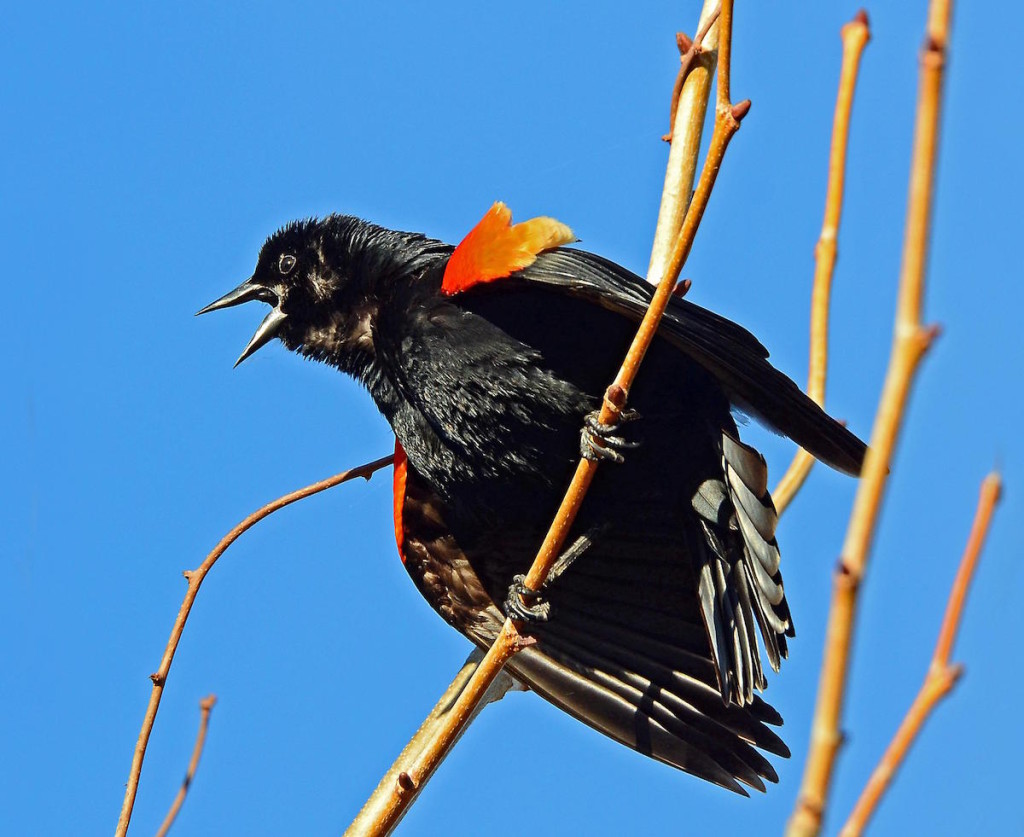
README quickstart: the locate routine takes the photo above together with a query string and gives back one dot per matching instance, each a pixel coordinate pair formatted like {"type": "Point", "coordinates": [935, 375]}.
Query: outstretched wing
{"type": "Point", "coordinates": [625, 650]}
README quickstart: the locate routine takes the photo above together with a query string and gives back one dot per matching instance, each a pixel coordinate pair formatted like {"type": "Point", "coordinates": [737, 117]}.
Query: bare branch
{"type": "Point", "coordinates": [205, 707]}
{"type": "Point", "coordinates": [195, 581]}
{"type": "Point", "coordinates": [855, 36]}
{"type": "Point", "coordinates": [941, 676]}
{"type": "Point", "coordinates": [910, 342]}
{"type": "Point", "coordinates": [510, 640]}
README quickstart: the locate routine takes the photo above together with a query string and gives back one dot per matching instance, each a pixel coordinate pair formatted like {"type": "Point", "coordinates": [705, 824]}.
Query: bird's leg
{"type": "Point", "coordinates": [516, 606]}
{"type": "Point", "coordinates": [539, 610]}
{"type": "Point", "coordinates": [598, 440]}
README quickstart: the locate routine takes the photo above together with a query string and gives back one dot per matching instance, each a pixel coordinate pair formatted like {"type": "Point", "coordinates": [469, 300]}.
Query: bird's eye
{"type": "Point", "coordinates": [286, 264]}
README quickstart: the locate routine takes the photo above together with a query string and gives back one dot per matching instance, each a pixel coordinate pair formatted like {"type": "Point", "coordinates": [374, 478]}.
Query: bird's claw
{"type": "Point", "coordinates": [518, 595]}
{"type": "Point", "coordinates": [598, 440]}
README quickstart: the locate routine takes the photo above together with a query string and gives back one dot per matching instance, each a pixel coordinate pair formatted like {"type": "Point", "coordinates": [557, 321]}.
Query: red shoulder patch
{"type": "Point", "coordinates": [401, 473]}
{"type": "Point", "coordinates": [496, 248]}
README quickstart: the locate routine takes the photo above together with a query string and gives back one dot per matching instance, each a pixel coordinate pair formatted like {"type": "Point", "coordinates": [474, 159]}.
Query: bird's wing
{"type": "Point", "coordinates": [625, 656]}
{"type": "Point", "coordinates": [731, 353]}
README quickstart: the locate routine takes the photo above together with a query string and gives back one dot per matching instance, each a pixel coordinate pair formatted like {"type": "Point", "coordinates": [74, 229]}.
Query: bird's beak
{"type": "Point", "coordinates": [264, 334]}
{"type": "Point", "coordinates": [248, 291]}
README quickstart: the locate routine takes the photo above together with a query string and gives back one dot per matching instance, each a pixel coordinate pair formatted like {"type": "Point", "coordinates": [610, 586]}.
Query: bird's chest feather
{"type": "Point", "coordinates": [479, 413]}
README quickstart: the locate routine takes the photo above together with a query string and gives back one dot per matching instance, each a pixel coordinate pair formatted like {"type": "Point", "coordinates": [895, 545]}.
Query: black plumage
{"type": "Point", "coordinates": [653, 630]}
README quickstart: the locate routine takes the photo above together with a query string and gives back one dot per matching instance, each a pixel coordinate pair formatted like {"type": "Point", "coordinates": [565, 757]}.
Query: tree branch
{"type": "Point", "coordinates": [855, 36]}
{"type": "Point", "coordinates": [510, 640]}
{"type": "Point", "coordinates": [941, 676]}
{"type": "Point", "coordinates": [205, 707]}
{"type": "Point", "coordinates": [910, 342]}
{"type": "Point", "coordinates": [195, 581]}
{"type": "Point", "coordinates": [689, 109]}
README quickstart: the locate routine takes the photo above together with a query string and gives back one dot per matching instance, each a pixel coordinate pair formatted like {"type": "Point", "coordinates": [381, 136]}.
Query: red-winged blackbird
{"type": "Point", "coordinates": [648, 633]}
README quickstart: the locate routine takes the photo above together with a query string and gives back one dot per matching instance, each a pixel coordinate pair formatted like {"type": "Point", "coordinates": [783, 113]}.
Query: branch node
{"type": "Point", "coordinates": [616, 396]}
{"type": "Point", "coordinates": [521, 641]}
{"type": "Point", "coordinates": [811, 807]}
{"type": "Point", "coordinates": [934, 48]}
{"type": "Point", "coordinates": [846, 576]}
{"type": "Point", "coordinates": [405, 783]}
{"type": "Point", "coordinates": [740, 110]}
{"type": "Point", "coordinates": [684, 43]}
{"type": "Point", "coordinates": [682, 288]}
{"type": "Point", "coordinates": [157, 678]}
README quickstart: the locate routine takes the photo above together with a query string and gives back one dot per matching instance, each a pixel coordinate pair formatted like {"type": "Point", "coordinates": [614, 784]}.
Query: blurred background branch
{"type": "Point", "coordinates": [910, 342]}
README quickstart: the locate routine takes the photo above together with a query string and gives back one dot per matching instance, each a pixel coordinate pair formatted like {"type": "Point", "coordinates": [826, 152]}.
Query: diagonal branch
{"type": "Point", "coordinates": [941, 677]}
{"type": "Point", "coordinates": [205, 707]}
{"type": "Point", "coordinates": [510, 640]}
{"type": "Point", "coordinates": [195, 581]}
{"type": "Point", "coordinates": [855, 36]}
{"type": "Point", "coordinates": [910, 341]}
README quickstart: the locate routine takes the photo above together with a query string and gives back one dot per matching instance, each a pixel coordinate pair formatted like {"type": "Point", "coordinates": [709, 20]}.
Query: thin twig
{"type": "Point", "coordinates": [689, 108]}
{"type": "Point", "coordinates": [941, 676]}
{"type": "Point", "coordinates": [910, 342]}
{"type": "Point", "coordinates": [855, 36]}
{"type": "Point", "coordinates": [205, 706]}
{"type": "Point", "coordinates": [195, 581]}
{"type": "Point", "coordinates": [509, 639]}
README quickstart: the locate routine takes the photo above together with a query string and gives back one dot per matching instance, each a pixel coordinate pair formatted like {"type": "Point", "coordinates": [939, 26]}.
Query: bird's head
{"type": "Point", "coordinates": [294, 277]}
{"type": "Point", "coordinates": [324, 280]}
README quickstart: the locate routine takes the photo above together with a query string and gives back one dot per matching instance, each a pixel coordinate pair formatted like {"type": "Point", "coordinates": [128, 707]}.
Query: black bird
{"type": "Point", "coordinates": [487, 360]}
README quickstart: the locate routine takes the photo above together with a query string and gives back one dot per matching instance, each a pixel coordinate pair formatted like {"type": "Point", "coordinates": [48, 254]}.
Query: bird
{"type": "Point", "coordinates": [489, 360]}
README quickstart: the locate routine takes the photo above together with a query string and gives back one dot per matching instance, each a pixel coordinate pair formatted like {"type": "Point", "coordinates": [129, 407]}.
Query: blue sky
{"type": "Point", "coordinates": [147, 152]}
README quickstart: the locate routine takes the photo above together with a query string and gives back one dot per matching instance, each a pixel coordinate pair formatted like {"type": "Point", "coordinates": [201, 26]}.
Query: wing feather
{"type": "Point", "coordinates": [730, 352]}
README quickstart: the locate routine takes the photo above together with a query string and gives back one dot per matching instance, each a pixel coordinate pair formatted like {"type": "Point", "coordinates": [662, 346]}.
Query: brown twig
{"type": "Point", "coordinates": [910, 342]}
{"type": "Point", "coordinates": [195, 581]}
{"type": "Point", "coordinates": [509, 639]}
{"type": "Point", "coordinates": [690, 96]}
{"type": "Point", "coordinates": [855, 36]}
{"type": "Point", "coordinates": [941, 676]}
{"type": "Point", "coordinates": [205, 706]}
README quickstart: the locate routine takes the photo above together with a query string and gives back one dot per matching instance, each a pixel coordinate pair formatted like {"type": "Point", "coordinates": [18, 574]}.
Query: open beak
{"type": "Point", "coordinates": [248, 292]}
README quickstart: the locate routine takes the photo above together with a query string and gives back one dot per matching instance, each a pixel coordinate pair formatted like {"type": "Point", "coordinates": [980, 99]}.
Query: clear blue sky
{"type": "Point", "coordinates": [148, 149]}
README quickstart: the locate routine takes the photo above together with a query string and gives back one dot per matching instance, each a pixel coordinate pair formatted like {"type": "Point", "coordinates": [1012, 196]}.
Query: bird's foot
{"type": "Point", "coordinates": [598, 441]}
{"type": "Point", "coordinates": [516, 605]}
{"type": "Point", "coordinates": [528, 605]}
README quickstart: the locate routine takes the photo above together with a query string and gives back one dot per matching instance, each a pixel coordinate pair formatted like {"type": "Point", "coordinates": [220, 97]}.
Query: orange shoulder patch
{"type": "Point", "coordinates": [496, 248]}
{"type": "Point", "coordinates": [401, 473]}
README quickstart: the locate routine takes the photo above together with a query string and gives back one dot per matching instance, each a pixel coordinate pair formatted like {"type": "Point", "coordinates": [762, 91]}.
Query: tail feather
{"type": "Point", "coordinates": [686, 686]}
{"type": "Point", "coordinates": [595, 695]}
